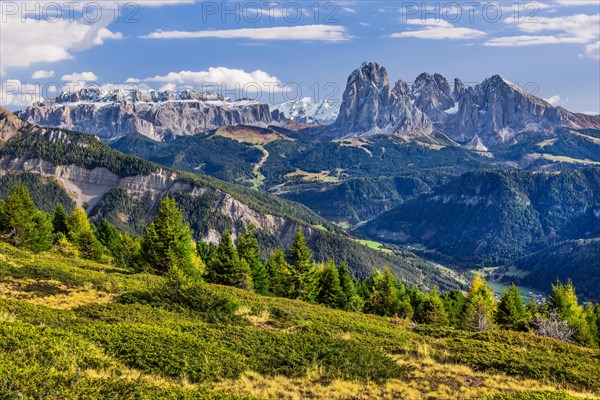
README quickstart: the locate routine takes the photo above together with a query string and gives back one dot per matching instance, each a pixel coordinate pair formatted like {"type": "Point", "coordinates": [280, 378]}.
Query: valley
{"type": "Point", "coordinates": [361, 170]}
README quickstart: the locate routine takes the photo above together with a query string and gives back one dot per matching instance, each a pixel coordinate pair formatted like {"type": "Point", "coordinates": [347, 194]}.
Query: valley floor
{"type": "Point", "coordinates": [76, 329]}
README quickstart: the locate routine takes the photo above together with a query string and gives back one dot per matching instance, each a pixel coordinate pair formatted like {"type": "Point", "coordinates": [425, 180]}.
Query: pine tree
{"type": "Point", "coordinates": [329, 291]}
{"type": "Point", "coordinates": [82, 236]}
{"type": "Point", "coordinates": [247, 247]}
{"type": "Point", "coordinates": [60, 220]}
{"type": "Point", "coordinates": [280, 274]}
{"type": "Point", "coordinates": [431, 310]}
{"type": "Point", "coordinates": [224, 269]}
{"type": "Point", "coordinates": [350, 299]}
{"type": "Point", "coordinates": [511, 309]}
{"type": "Point", "coordinates": [22, 224]}
{"type": "Point", "coordinates": [126, 253]}
{"type": "Point", "coordinates": [454, 303]}
{"type": "Point", "coordinates": [564, 300]}
{"type": "Point", "coordinates": [107, 234]}
{"type": "Point", "coordinates": [384, 297]}
{"type": "Point", "coordinates": [304, 277]}
{"type": "Point", "coordinates": [167, 242]}
{"type": "Point", "coordinates": [207, 251]}
{"type": "Point", "coordinates": [478, 314]}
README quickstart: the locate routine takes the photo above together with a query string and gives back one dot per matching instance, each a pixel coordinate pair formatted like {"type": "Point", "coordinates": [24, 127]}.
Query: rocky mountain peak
{"type": "Point", "coordinates": [10, 125]}
{"type": "Point", "coordinates": [432, 95]}
{"type": "Point", "coordinates": [370, 106]}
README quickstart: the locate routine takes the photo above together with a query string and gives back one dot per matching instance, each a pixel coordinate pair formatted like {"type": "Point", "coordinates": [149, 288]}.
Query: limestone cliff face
{"type": "Point", "coordinates": [372, 106]}
{"type": "Point", "coordinates": [89, 186]}
{"type": "Point", "coordinates": [156, 115]}
{"type": "Point", "coordinates": [495, 112]}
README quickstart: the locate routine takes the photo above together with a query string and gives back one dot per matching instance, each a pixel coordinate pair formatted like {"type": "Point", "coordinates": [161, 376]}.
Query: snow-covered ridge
{"type": "Point", "coordinates": [308, 111]}
{"type": "Point", "coordinates": [101, 96]}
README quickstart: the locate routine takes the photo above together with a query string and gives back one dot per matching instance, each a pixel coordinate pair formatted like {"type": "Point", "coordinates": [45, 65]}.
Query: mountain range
{"type": "Point", "coordinates": [493, 113]}
{"type": "Point", "coordinates": [465, 176]}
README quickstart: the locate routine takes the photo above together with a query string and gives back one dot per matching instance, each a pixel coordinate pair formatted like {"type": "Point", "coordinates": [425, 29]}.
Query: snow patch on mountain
{"type": "Point", "coordinates": [307, 111]}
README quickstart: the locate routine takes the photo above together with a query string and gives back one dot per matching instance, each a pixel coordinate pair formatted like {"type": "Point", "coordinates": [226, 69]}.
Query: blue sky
{"type": "Point", "coordinates": [293, 49]}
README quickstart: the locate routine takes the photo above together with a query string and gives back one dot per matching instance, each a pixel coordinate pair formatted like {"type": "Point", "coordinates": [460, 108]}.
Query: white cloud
{"type": "Point", "coordinates": [438, 30]}
{"type": "Point", "coordinates": [348, 10]}
{"type": "Point", "coordinates": [529, 40]}
{"type": "Point", "coordinates": [327, 33]}
{"type": "Point", "coordinates": [573, 29]}
{"type": "Point", "coordinates": [133, 80]}
{"type": "Point", "coordinates": [41, 74]}
{"type": "Point", "coordinates": [81, 76]}
{"type": "Point", "coordinates": [27, 42]}
{"type": "Point", "coordinates": [570, 3]}
{"type": "Point", "coordinates": [592, 50]}
{"type": "Point", "coordinates": [14, 93]}
{"type": "Point", "coordinates": [582, 26]}
{"type": "Point", "coordinates": [216, 78]}
{"type": "Point", "coordinates": [168, 87]}
{"type": "Point", "coordinates": [553, 100]}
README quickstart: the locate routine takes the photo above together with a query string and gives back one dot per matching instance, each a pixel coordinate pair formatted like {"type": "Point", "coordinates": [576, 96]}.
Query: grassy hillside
{"type": "Point", "coordinates": [78, 329]}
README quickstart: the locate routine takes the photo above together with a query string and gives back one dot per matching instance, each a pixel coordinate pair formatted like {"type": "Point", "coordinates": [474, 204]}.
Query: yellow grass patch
{"type": "Point", "coordinates": [323, 176]}
{"type": "Point", "coordinates": [51, 293]}
{"type": "Point", "coordinates": [355, 142]}
{"type": "Point", "coordinates": [426, 379]}
{"type": "Point", "coordinates": [250, 134]}
{"type": "Point", "coordinates": [548, 142]}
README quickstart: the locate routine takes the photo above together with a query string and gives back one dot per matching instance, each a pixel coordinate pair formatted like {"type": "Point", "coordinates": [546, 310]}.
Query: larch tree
{"type": "Point", "coordinates": [478, 314]}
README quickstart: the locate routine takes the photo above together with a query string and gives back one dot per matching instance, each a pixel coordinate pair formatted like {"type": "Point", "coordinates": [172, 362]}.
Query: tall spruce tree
{"type": "Point", "coordinates": [304, 276]}
{"type": "Point", "coordinates": [280, 274]}
{"type": "Point", "coordinates": [60, 220]}
{"type": "Point", "coordinates": [384, 298]}
{"type": "Point", "coordinates": [350, 299]}
{"type": "Point", "coordinates": [107, 234]}
{"type": "Point", "coordinates": [22, 224]}
{"type": "Point", "coordinates": [224, 268]}
{"type": "Point", "coordinates": [511, 311]}
{"type": "Point", "coordinates": [592, 321]}
{"type": "Point", "coordinates": [167, 242]}
{"type": "Point", "coordinates": [454, 303]}
{"type": "Point", "coordinates": [329, 291]}
{"type": "Point", "coordinates": [247, 247]}
{"type": "Point", "coordinates": [431, 310]}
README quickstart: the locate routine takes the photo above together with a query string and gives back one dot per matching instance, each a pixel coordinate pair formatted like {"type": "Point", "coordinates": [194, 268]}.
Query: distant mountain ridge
{"type": "Point", "coordinates": [495, 112]}
{"type": "Point", "coordinates": [156, 115]}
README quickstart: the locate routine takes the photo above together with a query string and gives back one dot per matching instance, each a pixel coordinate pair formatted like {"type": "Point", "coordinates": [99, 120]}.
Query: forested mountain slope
{"type": "Point", "coordinates": [125, 190]}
